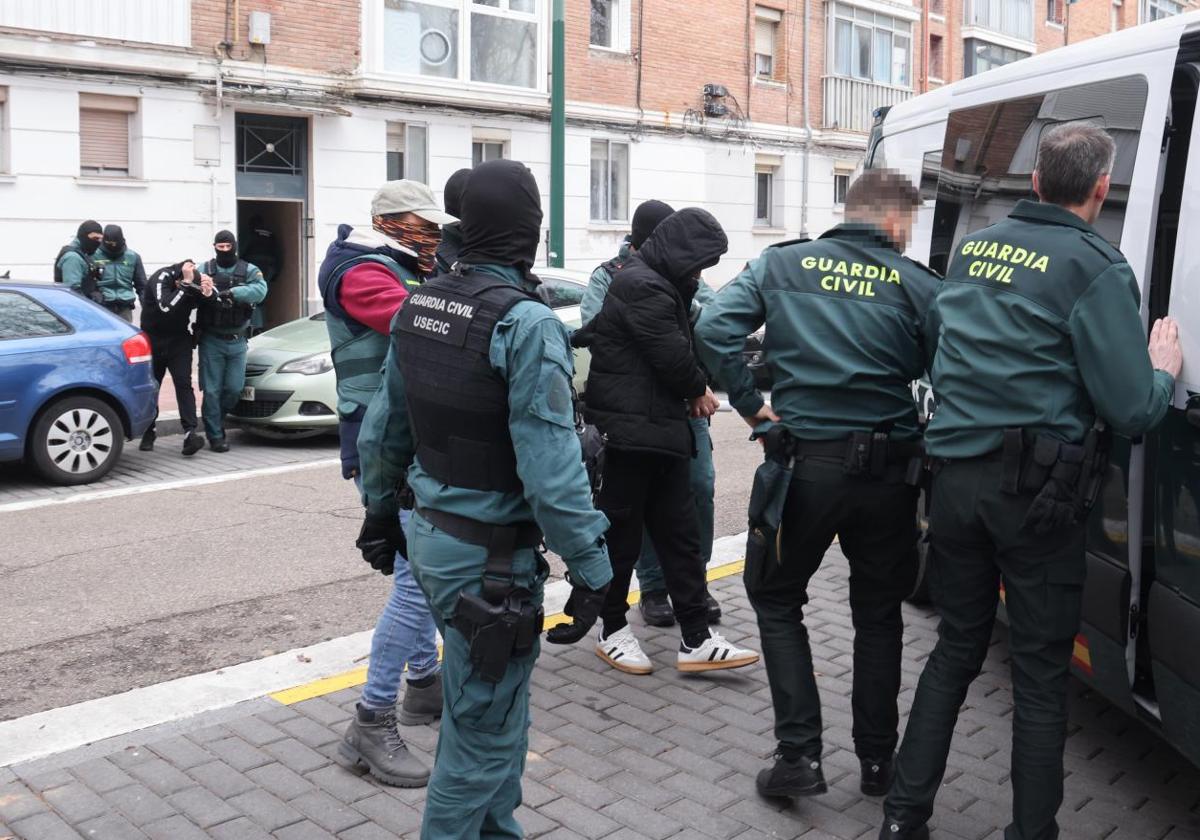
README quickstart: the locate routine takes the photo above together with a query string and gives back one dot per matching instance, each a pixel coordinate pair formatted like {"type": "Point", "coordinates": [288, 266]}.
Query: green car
{"type": "Point", "coordinates": [291, 390]}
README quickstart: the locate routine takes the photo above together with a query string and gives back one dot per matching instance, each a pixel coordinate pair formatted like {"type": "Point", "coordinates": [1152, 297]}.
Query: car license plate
{"type": "Point", "coordinates": [248, 393]}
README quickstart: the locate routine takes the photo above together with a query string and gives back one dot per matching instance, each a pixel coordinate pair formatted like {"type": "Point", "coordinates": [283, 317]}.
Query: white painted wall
{"type": "Point", "coordinates": [172, 205]}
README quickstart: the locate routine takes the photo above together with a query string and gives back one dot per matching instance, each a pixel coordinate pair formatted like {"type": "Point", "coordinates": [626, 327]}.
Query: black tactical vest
{"type": "Point", "coordinates": [458, 403]}
{"type": "Point", "coordinates": [211, 315]}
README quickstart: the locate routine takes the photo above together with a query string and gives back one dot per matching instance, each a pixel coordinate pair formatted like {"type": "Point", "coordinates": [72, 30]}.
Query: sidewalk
{"type": "Point", "coordinates": [611, 756]}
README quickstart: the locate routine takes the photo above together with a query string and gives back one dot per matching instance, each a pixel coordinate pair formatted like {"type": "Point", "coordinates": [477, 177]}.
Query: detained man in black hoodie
{"type": "Point", "coordinates": [168, 300]}
{"type": "Point", "coordinates": [643, 385]}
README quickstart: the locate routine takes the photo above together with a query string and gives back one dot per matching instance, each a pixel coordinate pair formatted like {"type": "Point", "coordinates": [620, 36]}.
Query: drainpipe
{"type": "Point", "coordinates": [808, 131]}
{"type": "Point", "coordinates": [925, 42]}
{"type": "Point", "coordinates": [558, 133]}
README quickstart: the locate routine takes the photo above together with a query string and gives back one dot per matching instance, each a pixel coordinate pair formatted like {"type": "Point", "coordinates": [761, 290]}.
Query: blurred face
{"type": "Point", "coordinates": [898, 225]}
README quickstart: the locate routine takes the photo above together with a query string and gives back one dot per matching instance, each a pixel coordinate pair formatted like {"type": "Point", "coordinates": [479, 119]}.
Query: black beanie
{"type": "Point", "coordinates": [452, 194]}
{"type": "Point", "coordinates": [646, 219]}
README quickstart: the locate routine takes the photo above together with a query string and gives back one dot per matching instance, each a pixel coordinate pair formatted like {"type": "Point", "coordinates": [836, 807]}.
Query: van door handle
{"type": "Point", "coordinates": [1192, 410]}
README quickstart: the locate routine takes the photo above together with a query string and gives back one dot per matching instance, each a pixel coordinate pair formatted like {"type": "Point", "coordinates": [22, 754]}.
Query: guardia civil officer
{"type": "Point", "coordinates": [367, 275]}
{"type": "Point", "coordinates": [1030, 355]}
{"type": "Point", "coordinates": [850, 327]}
{"type": "Point", "coordinates": [222, 327]}
{"type": "Point", "coordinates": [73, 265]}
{"type": "Point", "coordinates": [122, 277]}
{"type": "Point", "coordinates": [476, 398]}
{"type": "Point", "coordinates": [653, 603]}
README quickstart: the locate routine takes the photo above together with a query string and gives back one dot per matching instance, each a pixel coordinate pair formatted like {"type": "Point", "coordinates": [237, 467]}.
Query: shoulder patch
{"type": "Point", "coordinates": [798, 241]}
{"type": "Point", "coordinates": [1108, 251]}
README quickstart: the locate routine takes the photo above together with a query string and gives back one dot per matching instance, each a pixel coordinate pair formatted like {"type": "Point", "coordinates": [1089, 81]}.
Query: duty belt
{"type": "Point", "coordinates": [499, 540]}
{"type": "Point", "coordinates": [866, 454]}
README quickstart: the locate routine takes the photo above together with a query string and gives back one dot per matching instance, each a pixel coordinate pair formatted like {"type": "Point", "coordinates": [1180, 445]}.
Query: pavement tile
{"type": "Point", "coordinates": [304, 831]}
{"type": "Point", "coordinates": [592, 794]}
{"type": "Point", "coordinates": [181, 752]}
{"type": "Point", "coordinates": [279, 780]}
{"type": "Point", "coordinates": [202, 807]}
{"type": "Point", "coordinates": [367, 831]}
{"type": "Point", "coordinates": [100, 774]}
{"type": "Point", "coordinates": [44, 826]}
{"type": "Point", "coordinates": [533, 823]}
{"type": "Point", "coordinates": [174, 828]}
{"type": "Point", "coordinates": [140, 804]}
{"type": "Point", "coordinates": [309, 732]}
{"type": "Point", "coordinates": [18, 802]}
{"type": "Point", "coordinates": [704, 820]}
{"type": "Point", "coordinates": [41, 782]}
{"type": "Point", "coordinates": [265, 809]}
{"type": "Point", "coordinates": [112, 826]}
{"type": "Point", "coordinates": [342, 784]}
{"type": "Point", "coordinates": [239, 754]}
{"type": "Point", "coordinates": [254, 730]}
{"type": "Point", "coordinates": [130, 757]}
{"type": "Point", "coordinates": [76, 802]}
{"type": "Point", "coordinates": [385, 811]}
{"type": "Point", "coordinates": [323, 711]}
{"type": "Point", "coordinates": [240, 829]}
{"type": "Point", "coordinates": [578, 817]}
{"type": "Point", "coordinates": [326, 811]}
{"type": "Point", "coordinates": [299, 757]}
{"type": "Point", "coordinates": [588, 765]}
{"type": "Point", "coordinates": [158, 775]}
{"type": "Point", "coordinates": [221, 779]}
{"type": "Point", "coordinates": [653, 823]}
{"type": "Point", "coordinates": [276, 713]}
{"type": "Point", "coordinates": [535, 794]}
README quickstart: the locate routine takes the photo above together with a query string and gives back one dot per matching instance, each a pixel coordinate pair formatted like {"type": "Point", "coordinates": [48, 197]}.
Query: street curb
{"type": "Point", "coordinates": [55, 731]}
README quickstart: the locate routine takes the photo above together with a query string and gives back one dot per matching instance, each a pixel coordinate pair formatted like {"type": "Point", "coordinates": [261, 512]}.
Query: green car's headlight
{"type": "Point", "coordinates": [309, 365]}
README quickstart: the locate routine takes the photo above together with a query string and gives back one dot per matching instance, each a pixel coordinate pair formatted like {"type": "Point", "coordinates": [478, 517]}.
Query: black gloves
{"type": "Point", "coordinates": [379, 540]}
{"type": "Point", "coordinates": [584, 607]}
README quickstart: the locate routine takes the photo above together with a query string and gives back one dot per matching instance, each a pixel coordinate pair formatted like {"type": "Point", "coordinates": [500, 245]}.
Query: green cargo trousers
{"type": "Point", "coordinates": [978, 543]}
{"type": "Point", "coordinates": [222, 376]}
{"type": "Point", "coordinates": [476, 783]}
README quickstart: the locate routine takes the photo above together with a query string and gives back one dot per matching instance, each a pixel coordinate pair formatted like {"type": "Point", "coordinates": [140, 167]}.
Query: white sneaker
{"type": "Point", "coordinates": [622, 651]}
{"type": "Point", "coordinates": [715, 654]}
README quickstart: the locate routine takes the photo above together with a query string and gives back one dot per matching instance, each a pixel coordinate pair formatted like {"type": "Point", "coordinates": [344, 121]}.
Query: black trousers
{"type": "Point", "coordinates": [977, 542]}
{"type": "Point", "coordinates": [654, 493]}
{"type": "Point", "coordinates": [174, 353]}
{"type": "Point", "coordinates": [875, 521]}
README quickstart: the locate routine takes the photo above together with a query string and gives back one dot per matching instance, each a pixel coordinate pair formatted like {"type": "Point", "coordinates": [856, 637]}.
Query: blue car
{"type": "Point", "coordinates": [75, 382]}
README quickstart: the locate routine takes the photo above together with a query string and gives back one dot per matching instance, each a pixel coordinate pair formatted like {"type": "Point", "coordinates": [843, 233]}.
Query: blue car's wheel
{"type": "Point", "coordinates": [76, 440]}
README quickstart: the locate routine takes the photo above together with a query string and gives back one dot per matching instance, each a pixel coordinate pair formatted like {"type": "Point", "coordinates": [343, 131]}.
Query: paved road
{"type": "Point", "coordinates": [114, 592]}
{"type": "Point", "coordinates": [611, 756]}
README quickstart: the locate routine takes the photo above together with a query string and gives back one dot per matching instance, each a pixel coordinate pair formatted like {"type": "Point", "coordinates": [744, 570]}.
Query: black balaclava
{"type": "Point", "coordinates": [501, 216]}
{"type": "Point", "coordinates": [453, 193]}
{"type": "Point", "coordinates": [226, 259]}
{"type": "Point", "coordinates": [88, 244]}
{"type": "Point", "coordinates": [646, 218]}
{"type": "Point", "coordinates": [114, 240]}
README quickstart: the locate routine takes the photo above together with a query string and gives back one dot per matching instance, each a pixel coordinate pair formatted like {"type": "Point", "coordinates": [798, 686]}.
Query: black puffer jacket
{"type": "Point", "coordinates": [643, 369]}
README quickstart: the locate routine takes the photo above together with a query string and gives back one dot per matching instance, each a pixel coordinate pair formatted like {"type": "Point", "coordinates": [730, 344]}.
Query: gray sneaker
{"type": "Point", "coordinates": [371, 740]}
{"type": "Point", "coordinates": [422, 705]}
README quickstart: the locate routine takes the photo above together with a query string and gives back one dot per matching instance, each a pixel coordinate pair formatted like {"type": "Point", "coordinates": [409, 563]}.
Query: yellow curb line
{"type": "Point", "coordinates": [358, 676]}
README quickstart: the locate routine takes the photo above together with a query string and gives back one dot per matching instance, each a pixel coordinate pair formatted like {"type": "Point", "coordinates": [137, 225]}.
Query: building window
{"type": "Point", "coordinates": [1159, 9]}
{"type": "Point", "coordinates": [485, 150]}
{"type": "Point", "coordinates": [498, 38]}
{"type": "Point", "coordinates": [764, 196]}
{"type": "Point", "coordinates": [104, 134]}
{"type": "Point", "coordinates": [841, 185]}
{"type": "Point", "coordinates": [610, 181]}
{"type": "Point", "coordinates": [607, 24]}
{"type": "Point", "coordinates": [407, 152]}
{"type": "Point", "coordinates": [1054, 11]}
{"type": "Point", "coordinates": [980, 56]}
{"type": "Point", "coordinates": [937, 57]}
{"type": "Point", "coordinates": [937, 7]}
{"type": "Point", "coordinates": [1008, 17]}
{"type": "Point", "coordinates": [766, 40]}
{"type": "Point", "coordinates": [870, 46]}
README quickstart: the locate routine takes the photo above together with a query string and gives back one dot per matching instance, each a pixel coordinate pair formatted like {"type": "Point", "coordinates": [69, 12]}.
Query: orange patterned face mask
{"type": "Point", "coordinates": [419, 235]}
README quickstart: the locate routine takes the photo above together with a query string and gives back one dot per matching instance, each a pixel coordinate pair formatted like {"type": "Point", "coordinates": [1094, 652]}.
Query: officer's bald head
{"type": "Point", "coordinates": [1074, 162]}
{"type": "Point", "coordinates": [885, 199]}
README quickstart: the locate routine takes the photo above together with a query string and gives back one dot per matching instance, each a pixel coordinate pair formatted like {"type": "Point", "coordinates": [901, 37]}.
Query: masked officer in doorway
{"type": "Point", "coordinates": [222, 326]}
{"type": "Point", "coordinates": [366, 277]}
{"type": "Point", "coordinates": [483, 368]}
{"type": "Point", "coordinates": [1041, 335]}
{"type": "Point", "coordinates": [73, 265]}
{"type": "Point", "coordinates": [849, 326]}
{"type": "Point", "coordinates": [654, 605]}
{"type": "Point", "coordinates": [122, 276]}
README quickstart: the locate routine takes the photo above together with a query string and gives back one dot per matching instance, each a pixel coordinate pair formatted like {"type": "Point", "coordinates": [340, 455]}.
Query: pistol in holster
{"type": "Point", "coordinates": [1065, 479]}
{"type": "Point", "coordinates": [876, 455]}
{"type": "Point", "coordinates": [768, 494]}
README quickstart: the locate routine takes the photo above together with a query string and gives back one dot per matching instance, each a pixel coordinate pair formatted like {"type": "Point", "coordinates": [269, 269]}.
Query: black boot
{"type": "Point", "coordinates": [147, 444]}
{"type": "Point", "coordinates": [422, 704]}
{"type": "Point", "coordinates": [219, 445]}
{"type": "Point", "coordinates": [192, 443]}
{"type": "Point", "coordinates": [656, 609]}
{"type": "Point", "coordinates": [876, 775]}
{"type": "Point", "coordinates": [801, 777]}
{"type": "Point", "coordinates": [714, 609]}
{"type": "Point", "coordinates": [371, 739]}
{"type": "Point", "coordinates": [896, 830]}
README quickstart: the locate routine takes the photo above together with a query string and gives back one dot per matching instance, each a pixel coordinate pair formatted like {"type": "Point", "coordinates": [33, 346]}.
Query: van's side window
{"type": "Point", "coordinates": [990, 151]}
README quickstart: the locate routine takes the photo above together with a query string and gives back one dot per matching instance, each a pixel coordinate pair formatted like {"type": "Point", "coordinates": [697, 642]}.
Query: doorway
{"type": "Point", "coordinates": [270, 236]}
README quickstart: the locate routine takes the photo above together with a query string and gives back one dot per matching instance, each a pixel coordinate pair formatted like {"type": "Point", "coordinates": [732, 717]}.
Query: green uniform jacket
{"type": "Point", "coordinates": [601, 279]}
{"type": "Point", "coordinates": [253, 291]}
{"type": "Point", "coordinates": [122, 278]}
{"type": "Point", "coordinates": [530, 351]}
{"type": "Point", "coordinates": [1040, 331]}
{"type": "Point", "coordinates": [849, 325]}
{"type": "Point", "coordinates": [75, 266]}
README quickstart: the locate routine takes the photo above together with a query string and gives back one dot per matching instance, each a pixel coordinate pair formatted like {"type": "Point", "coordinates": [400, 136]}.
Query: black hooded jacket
{"type": "Point", "coordinates": [643, 369]}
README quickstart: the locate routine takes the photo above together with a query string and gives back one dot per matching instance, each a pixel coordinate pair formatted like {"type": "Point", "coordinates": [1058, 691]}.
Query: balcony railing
{"type": "Point", "coordinates": [849, 103]}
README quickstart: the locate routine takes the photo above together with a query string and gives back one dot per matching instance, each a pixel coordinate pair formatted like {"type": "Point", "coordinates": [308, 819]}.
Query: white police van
{"type": "Point", "coordinates": [972, 147]}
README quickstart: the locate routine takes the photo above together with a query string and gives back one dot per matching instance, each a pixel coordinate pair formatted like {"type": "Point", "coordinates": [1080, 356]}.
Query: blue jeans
{"type": "Point", "coordinates": [222, 375]}
{"type": "Point", "coordinates": [404, 635]}
{"type": "Point", "coordinates": [704, 479]}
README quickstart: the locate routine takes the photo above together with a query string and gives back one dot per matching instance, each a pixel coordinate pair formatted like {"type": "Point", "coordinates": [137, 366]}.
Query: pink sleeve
{"type": "Point", "coordinates": [371, 295]}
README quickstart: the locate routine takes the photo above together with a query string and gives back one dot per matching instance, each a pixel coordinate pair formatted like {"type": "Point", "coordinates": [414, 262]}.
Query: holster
{"type": "Point", "coordinates": [768, 494]}
{"type": "Point", "coordinates": [502, 622]}
{"type": "Point", "coordinates": [876, 455]}
{"type": "Point", "coordinates": [1065, 479]}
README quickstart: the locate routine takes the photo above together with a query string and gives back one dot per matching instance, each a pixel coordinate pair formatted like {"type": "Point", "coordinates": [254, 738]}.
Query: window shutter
{"type": "Point", "coordinates": [764, 37]}
{"type": "Point", "coordinates": [3, 95]}
{"type": "Point", "coordinates": [103, 140]}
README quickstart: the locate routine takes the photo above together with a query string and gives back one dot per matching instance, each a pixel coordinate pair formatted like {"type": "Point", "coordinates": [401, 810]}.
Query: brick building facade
{"type": "Point", "coordinates": [294, 112]}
